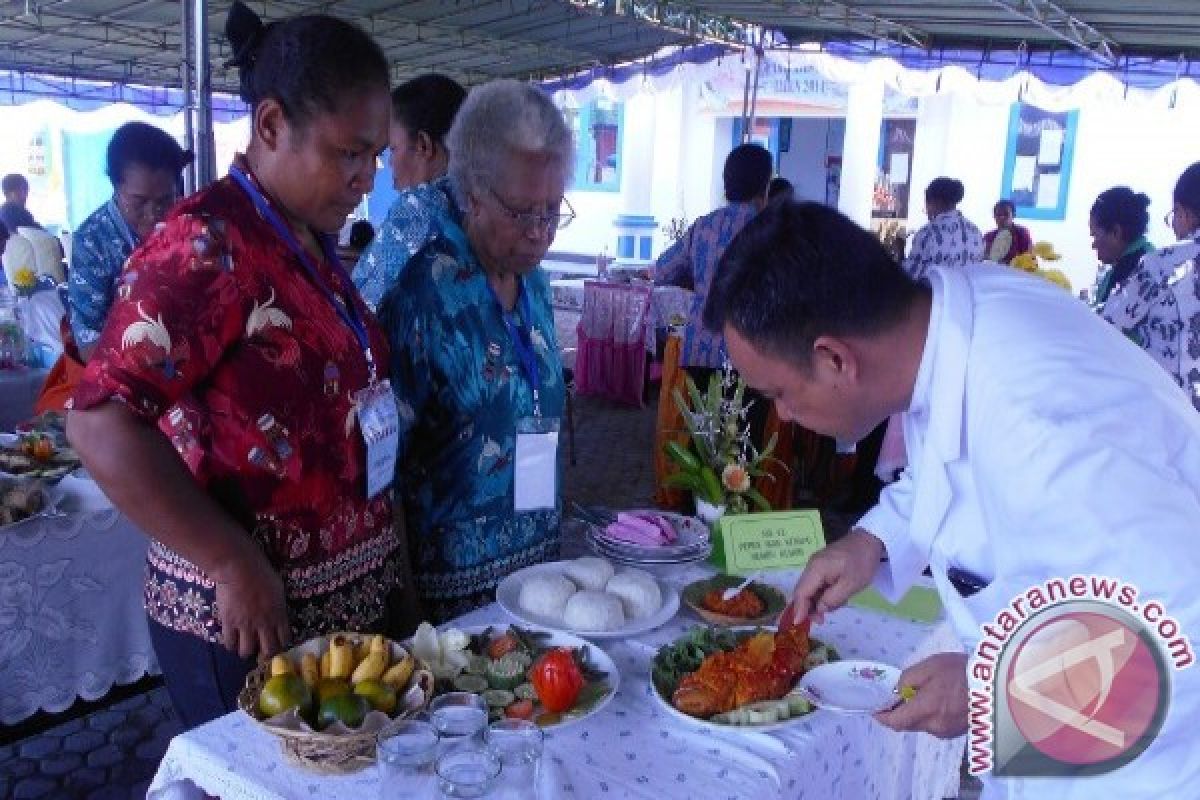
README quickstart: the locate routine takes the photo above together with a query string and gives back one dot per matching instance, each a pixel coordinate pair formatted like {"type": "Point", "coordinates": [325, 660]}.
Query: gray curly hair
{"type": "Point", "coordinates": [498, 119]}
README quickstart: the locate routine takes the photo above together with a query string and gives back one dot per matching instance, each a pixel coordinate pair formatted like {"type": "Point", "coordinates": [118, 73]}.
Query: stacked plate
{"type": "Point", "coordinates": [692, 544]}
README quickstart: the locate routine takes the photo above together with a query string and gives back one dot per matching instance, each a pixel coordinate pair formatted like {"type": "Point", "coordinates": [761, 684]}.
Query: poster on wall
{"type": "Point", "coordinates": [1038, 160]}
{"type": "Point", "coordinates": [890, 197]}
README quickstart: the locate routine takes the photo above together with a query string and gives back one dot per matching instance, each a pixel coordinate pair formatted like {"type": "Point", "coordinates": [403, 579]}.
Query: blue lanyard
{"type": "Point", "coordinates": [126, 232]}
{"type": "Point", "coordinates": [347, 311]}
{"type": "Point", "coordinates": [522, 340]}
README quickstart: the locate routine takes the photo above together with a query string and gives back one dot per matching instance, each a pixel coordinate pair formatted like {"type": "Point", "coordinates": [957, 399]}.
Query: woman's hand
{"type": "Point", "coordinates": [251, 607]}
{"type": "Point", "coordinates": [143, 476]}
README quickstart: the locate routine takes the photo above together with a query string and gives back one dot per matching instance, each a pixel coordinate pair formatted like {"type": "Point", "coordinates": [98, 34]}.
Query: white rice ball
{"type": "Point", "coordinates": [589, 572]}
{"type": "Point", "coordinates": [589, 610]}
{"type": "Point", "coordinates": [638, 591]}
{"type": "Point", "coordinates": [546, 594]}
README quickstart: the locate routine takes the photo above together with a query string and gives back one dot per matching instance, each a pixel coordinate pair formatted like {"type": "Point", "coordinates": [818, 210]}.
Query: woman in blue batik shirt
{"type": "Point", "coordinates": [144, 165]}
{"type": "Point", "coordinates": [475, 363]}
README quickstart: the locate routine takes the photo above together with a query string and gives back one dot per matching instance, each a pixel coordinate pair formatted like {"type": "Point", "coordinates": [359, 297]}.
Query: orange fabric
{"type": "Point", "coordinates": [776, 485]}
{"type": "Point", "coordinates": [668, 425]}
{"type": "Point", "coordinates": [63, 376]}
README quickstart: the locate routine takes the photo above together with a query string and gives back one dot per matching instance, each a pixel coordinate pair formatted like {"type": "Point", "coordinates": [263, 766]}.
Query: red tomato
{"type": "Point", "coordinates": [501, 646]}
{"type": "Point", "coordinates": [521, 709]}
{"type": "Point", "coordinates": [556, 679]}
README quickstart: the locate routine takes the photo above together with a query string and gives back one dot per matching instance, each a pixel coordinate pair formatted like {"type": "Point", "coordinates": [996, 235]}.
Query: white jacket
{"type": "Point", "coordinates": [1044, 444]}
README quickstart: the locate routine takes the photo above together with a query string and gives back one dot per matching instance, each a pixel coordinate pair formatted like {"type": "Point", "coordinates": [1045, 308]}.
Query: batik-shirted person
{"type": "Point", "coordinates": [949, 239]}
{"type": "Point", "coordinates": [266, 492]}
{"type": "Point", "coordinates": [475, 361]}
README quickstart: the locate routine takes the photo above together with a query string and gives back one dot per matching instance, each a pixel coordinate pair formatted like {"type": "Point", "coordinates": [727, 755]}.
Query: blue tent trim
{"type": "Point", "coordinates": [17, 88]}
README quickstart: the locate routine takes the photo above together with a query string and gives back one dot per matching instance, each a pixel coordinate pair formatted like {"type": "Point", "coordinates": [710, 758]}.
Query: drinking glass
{"type": "Point", "coordinates": [405, 752]}
{"type": "Point", "coordinates": [460, 719]}
{"type": "Point", "coordinates": [518, 744]}
{"type": "Point", "coordinates": [467, 772]}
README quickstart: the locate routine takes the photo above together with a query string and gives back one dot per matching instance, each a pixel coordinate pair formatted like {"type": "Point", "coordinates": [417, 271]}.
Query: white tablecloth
{"type": "Point", "coordinates": [19, 389]}
{"type": "Point", "coordinates": [72, 624]}
{"type": "Point", "coordinates": [633, 748]}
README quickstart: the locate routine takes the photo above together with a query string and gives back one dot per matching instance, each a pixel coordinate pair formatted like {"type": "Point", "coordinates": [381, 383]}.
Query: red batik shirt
{"type": "Point", "coordinates": [220, 337]}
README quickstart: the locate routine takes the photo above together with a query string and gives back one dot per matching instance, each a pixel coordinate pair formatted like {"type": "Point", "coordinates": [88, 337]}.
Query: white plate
{"type": "Point", "coordinates": [693, 535]}
{"type": "Point", "coordinates": [596, 657]}
{"type": "Point", "coordinates": [665, 702]}
{"type": "Point", "coordinates": [633, 560]}
{"type": "Point", "coordinates": [508, 595]}
{"type": "Point", "coordinates": [851, 687]}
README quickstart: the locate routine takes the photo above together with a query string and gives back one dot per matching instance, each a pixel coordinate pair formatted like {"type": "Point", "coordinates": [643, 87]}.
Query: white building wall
{"type": "Point", "coordinates": [804, 163]}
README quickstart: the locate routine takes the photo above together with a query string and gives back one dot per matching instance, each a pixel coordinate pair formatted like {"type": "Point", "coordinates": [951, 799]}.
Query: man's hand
{"type": "Point", "coordinates": [940, 703]}
{"type": "Point", "coordinates": [251, 607]}
{"type": "Point", "coordinates": [833, 576]}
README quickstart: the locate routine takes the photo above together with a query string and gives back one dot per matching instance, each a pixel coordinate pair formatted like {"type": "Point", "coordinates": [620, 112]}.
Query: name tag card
{"type": "Point", "coordinates": [745, 543]}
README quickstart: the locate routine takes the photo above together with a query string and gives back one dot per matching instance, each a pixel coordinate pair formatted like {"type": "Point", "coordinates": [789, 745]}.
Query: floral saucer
{"type": "Point", "coordinates": [851, 687]}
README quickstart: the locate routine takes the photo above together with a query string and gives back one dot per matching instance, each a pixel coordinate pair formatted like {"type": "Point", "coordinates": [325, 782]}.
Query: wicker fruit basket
{"type": "Point", "coordinates": [336, 749]}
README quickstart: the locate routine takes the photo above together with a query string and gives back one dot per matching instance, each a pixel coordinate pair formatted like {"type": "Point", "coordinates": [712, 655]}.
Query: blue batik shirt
{"type": "Point", "coordinates": [411, 224]}
{"type": "Point", "coordinates": [99, 249]}
{"type": "Point", "coordinates": [460, 390]}
{"type": "Point", "coordinates": [692, 262]}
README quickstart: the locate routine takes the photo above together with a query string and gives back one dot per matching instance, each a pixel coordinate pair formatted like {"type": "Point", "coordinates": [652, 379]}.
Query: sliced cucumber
{"type": "Point", "coordinates": [764, 713]}
{"type": "Point", "coordinates": [797, 705]}
{"type": "Point", "coordinates": [477, 664]}
{"type": "Point", "coordinates": [525, 692]}
{"type": "Point", "coordinates": [470, 683]}
{"type": "Point", "coordinates": [498, 698]}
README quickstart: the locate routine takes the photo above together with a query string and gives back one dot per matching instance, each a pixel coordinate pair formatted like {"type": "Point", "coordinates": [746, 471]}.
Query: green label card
{"type": "Point", "coordinates": [746, 543]}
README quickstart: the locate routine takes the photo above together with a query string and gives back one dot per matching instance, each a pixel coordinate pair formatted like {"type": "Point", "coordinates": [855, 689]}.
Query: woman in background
{"type": "Point", "coordinates": [145, 165]}
{"type": "Point", "coordinates": [949, 239]}
{"type": "Point", "coordinates": [1009, 239]}
{"type": "Point", "coordinates": [423, 110]}
{"type": "Point", "coordinates": [1158, 306]}
{"type": "Point", "coordinates": [1118, 225]}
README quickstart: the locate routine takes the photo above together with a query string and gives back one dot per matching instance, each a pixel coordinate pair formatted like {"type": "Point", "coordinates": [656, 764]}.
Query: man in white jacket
{"type": "Point", "coordinates": [1041, 445]}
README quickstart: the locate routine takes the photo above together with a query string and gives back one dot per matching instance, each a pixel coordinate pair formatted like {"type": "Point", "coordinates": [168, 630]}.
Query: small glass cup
{"type": "Point", "coordinates": [467, 772]}
{"type": "Point", "coordinates": [405, 752]}
{"type": "Point", "coordinates": [518, 743]}
{"type": "Point", "coordinates": [460, 719]}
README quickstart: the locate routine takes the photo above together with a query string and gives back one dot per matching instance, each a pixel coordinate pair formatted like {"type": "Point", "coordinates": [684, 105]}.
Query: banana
{"type": "Point", "coordinates": [399, 673]}
{"type": "Point", "coordinates": [280, 665]}
{"type": "Point", "coordinates": [361, 650]}
{"type": "Point", "coordinates": [310, 669]}
{"type": "Point", "coordinates": [379, 644]}
{"type": "Point", "coordinates": [327, 663]}
{"type": "Point", "coordinates": [371, 668]}
{"type": "Point", "coordinates": [341, 658]}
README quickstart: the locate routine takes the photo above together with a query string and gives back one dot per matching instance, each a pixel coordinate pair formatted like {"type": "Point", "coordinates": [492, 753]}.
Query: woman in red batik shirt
{"type": "Point", "coordinates": [222, 410]}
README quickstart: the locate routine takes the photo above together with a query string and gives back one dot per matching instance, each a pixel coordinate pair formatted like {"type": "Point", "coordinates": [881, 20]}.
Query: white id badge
{"type": "Point", "coordinates": [535, 471]}
{"type": "Point", "coordinates": [379, 422]}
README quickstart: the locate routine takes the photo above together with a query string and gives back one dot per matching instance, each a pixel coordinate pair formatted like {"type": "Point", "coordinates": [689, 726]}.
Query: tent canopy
{"type": "Point", "coordinates": [139, 41]}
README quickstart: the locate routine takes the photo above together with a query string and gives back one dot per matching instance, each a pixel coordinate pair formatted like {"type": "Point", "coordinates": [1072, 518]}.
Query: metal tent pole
{"type": "Point", "coordinates": [205, 156]}
{"type": "Point", "coordinates": [189, 133]}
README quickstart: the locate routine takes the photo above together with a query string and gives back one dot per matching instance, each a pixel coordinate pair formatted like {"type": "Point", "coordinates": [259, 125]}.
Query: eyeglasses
{"type": "Point", "coordinates": [529, 219]}
{"type": "Point", "coordinates": [1169, 219]}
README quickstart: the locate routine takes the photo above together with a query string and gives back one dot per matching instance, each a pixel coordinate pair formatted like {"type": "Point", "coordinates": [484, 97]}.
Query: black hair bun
{"type": "Point", "coordinates": [244, 30]}
{"type": "Point", "coordinates": [1142, 199]}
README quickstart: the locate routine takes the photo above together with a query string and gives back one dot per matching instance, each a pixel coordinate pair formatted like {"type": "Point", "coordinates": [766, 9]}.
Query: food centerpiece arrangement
{"type": "Point", "coordinates": [549, 678]}
{"type": "Point", "coordinates": [36, 455]}
{"type": "Point", "coordinates": [328, 698]}
{"type": "Point", "coordinates": [729, 677]}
